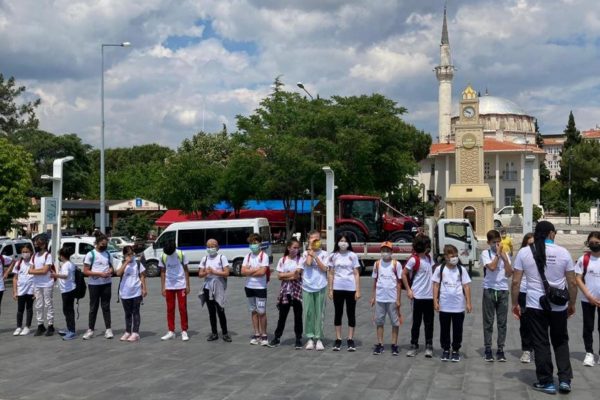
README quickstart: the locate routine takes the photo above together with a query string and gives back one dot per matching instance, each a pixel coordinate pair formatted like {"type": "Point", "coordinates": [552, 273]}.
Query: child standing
{"type": "Point", "coordinates": [23, 290]}
{"type": "Point", "coordinates": [417, 279]}
{"type": "Point", "coordinates": [524, 331]}
{"type": "Point", "coordinates": [175, 285]}
{"type": "Point", "coordinates": [132, 289]}
{"type": "Point", "coordinates": [386, 297]}
{"type": "Point", "coordinates": [289, 273]}
{"type": "Point", "coordinates": [43, 286]}
{"type": "Point", "coordinates": [255, 268]}
{"type": "Point", "coordinates": [451, 288]}
{"type": "Point", "coordinates": [215, 269]}
{"type": "Point", "coordinates": [507, 243]}
{"type": "Point", "coordinates": [66, 283]}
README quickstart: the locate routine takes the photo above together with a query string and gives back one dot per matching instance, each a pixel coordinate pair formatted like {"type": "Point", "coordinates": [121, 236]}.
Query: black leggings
{"type": "Point", "coordinates": [347, 296]}
{"type": "Point", "coordinates": [132, 314]}
{"type": "Point", "coordinates": [100, 295]}
{"type": "Point", "coordinates": [24, 302]}
{"type": "Point", "coordinates": [213, 309]}
{"type": "Point", "coordinates": [284, 310]}
{"type": "Point", "coordinates": [69, 309]}
{"type": "Point", "coordinates": [454, 321]}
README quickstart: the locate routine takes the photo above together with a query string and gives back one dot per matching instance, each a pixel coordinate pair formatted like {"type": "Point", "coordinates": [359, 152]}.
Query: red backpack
{"type": "Point", "coordinates": [586, 262]}
{"type": "Point", "coordinates": [416, 267]}
{"type": "Point", "coordinates": [46, 255]}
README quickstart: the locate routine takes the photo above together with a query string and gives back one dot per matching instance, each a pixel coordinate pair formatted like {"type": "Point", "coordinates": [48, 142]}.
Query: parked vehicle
{"type": "Point", "coordinates": [120, 241]}
{"type": "Point", "coordinates": [12, 247]}
{"type": "Point", "coordinates": [506, 216]}
{"type": "Point", "coordinates": [191, 237]}
{"type": "Point", "coordinates": [81, 245]}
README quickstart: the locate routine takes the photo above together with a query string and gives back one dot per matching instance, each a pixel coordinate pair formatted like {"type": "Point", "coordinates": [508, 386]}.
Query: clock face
{"type": "Point", "coordinates": [469, 112]}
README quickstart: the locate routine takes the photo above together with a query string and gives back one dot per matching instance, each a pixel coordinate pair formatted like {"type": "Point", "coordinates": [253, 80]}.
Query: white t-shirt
{"type": "Point", "coordinates": [218, 263]}
{"type": "Point", "coordinates": [523, 287]}
{"type": "Point", "coordinates": [174, 272]}
{"type": "Point", "coordinates": [24, 278]}
{"type": "Point", "coordinates": [68, 284]}
{"type": "Point", "coordinates": [343, 265]}
{"type": "Point", "coordinates": [256, 261]}
{"type": "Point", "coordinates": [5, 260]}
{"type": "Point", "coordinates": [422, 286]}
{"type": "Point", "coordinates": [496, 279]}
{"type": "Point", "coordinates": [386, 289]}
{"type": "Point", "coordinates": [592, 276]}
{"type": "Point", "coordinates": [131, 284]}
{"type": "Point", "coordinates": [39, 261]}
{"type": "Point", "coordinates": [287, 264]}
{"type": "Point", "coordinates": [452, 298]}
{"type": "Point", "coordinates": [314, 279]}
{"type": "Point", "coordinates": [558, 262]}
{"type": "Point", "coordinates": [102, 263]}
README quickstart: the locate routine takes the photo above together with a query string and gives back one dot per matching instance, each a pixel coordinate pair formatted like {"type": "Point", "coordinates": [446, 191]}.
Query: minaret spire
{"type": "Point", "coordinates": [445, 39]}
{"type": "Point", "coordinates": [444, 74]}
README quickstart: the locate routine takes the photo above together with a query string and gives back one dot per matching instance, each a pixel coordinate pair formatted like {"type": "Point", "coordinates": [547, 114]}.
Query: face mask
{"type": "Point", "coordinates": [386, 255]}
{"type": "Point", "coordinates": [493, 248]}
{"type": "Point", "coordinates": [102, 248]}
{"type": "Point", "coordinates": [293, 252]}
{"type": "Point", "coordinates": [343, 246]}
{"type": "Point", "coordinates": [453, 260]}
{"type": "Point", "coordinates": [212, 251]}
{"type": "Point", "coordinates": [594, 247]}
{"type": "Point", "coordinates": [316, 245]}
{"type": "Point", "coordinates": [255, 248]}
{"type": "Point", "coordinates": [26, 256]}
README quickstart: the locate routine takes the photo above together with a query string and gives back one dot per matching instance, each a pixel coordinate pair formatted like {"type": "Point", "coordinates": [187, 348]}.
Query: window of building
{"type": "Point", "coordinates": [486, 170]}
{"type": "Point", "coordinates": [509, 196]}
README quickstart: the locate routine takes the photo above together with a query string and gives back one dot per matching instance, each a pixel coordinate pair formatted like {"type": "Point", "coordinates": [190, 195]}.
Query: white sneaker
{"type": "Point", "coordinates": [588, 361]}
{"type": "Point", "coordinates": [526, 357]}
{"type": "Point", "coordinates": [17, 332]}
{"type": "Point", "coordinates": [264, 341]}
{"type": "Point", "coordinates": [125, 336]}
{"type": "Point", "coordinates": [88, 334]}
{"type": "Point", "coordinates": [184, 336]}
{"type": "Point", "coordinates": [310, 345]}
{"type": "Point", "coordinates": [170, 335]}
{"type": "Point", "coordinates": [109, 334]}
{"type": "Point", "coordinates": [320, 346]}
{"type": "Point", "coordinates": [25, 331]}
{"type": "Point", "coordinates": [255, 339]}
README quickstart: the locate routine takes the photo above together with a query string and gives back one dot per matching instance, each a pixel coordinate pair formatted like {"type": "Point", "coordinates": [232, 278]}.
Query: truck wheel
{"type": "Point", "coordinates": [401, 237]}
{"type": "Point", "coordinates": [352, 232]}
{"type": "Point", "coordinates": [497, 224]}
{"type": "Point", "coordinates": [152, 269]}
{"type": "Point", "coordinates": [237, 268]}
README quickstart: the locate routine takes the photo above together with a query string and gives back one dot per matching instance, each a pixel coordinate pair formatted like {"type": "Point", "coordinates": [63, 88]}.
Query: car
{"type": "Point", "coordinates": [506, 216]}
{"type": "Point", "coordinates": [81, 245]}
{"type": "Point", "coordinates": [120, 241]}
{"type": "Point", "coordinates": [12, 247]}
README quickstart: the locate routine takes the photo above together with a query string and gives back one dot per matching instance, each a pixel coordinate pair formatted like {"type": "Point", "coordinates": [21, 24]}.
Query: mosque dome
{"type": "Point", "coordinates": [495, 105]}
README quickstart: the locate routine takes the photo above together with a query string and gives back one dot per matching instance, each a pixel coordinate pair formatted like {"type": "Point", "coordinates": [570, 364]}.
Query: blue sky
{"type": "Point", "coordinates": [198, 63]}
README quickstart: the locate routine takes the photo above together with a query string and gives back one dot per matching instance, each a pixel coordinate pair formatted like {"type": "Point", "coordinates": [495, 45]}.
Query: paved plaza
{"type": "Point", "coordinates": [49, 368]}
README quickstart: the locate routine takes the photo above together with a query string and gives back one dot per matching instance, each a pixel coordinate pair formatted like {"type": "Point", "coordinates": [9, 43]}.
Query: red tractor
{"type": "Point", "coordinates": [370, 219]}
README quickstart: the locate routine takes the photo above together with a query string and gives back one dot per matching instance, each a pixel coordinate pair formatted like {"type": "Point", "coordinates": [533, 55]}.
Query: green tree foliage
{"type": "Point", "coordinates": [539, 139]}
{"type": "Point", "coordinates": [585, 175]}
{"type": "Point", "coordinates": [15, 182]}
{"type": "Point", "coordinates": [241, 178]}
{"type": "Point", "coordinates": [573, 135]}
{"type": "Point", "coordinates": [14, 114]}
{"type": "Point", "coordinates": [553, 196]}
{"type": "Point", "coordinates": [135, 224]}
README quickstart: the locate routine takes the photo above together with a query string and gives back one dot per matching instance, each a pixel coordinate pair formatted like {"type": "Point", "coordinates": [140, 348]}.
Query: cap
{"type": "Point", "coordinates": [387, 244]}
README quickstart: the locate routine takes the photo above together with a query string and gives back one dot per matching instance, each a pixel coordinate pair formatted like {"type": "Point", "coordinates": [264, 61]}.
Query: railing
{"type": "Point", "coordinates": [509, 175]}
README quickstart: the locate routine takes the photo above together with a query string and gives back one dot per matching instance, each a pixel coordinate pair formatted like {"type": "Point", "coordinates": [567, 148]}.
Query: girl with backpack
{"type": "Point", "coordinates": [23, 290]}
{"type": "Point", "coordinates": [344, 287]}
{"type": "Point", "coordinates": [587, 272]}
{"type": "Point", "coordinates": [256, 269]}
{"type": "Point", "coordinates": [66, 283]}
{"type": "Point", "coordinates": [132, 289]}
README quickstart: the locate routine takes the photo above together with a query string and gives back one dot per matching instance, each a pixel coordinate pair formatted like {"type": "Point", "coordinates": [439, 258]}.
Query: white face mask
{"type": "Point", "coordinates": [453, 260]}
{"type": "Point", "coordinates": [26, 256]}
{"type": "Point", "coordinates": [343, 246]}
{"type": "Point", "coordinates": [386, 255]}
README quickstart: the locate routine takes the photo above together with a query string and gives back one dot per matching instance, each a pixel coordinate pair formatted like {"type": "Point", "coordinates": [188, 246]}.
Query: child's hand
{"type": "Point", "coordinates": [400, 319]}
{"type": "Point", "coordinates": [398, 304]}
{"type": "Point", "coordinates": [357, 295]}
{"type": "Point", "coordinates": [372, 301]}
{"type": "Point", "coordinates": [469, 308]}
{"type": "Point", "coordinates": [144, 292]}
{"type": "Point", "coordinates": [209, 270]}
{"type": "Point", "coordinates": [516, 311]}
{"type": "Point", "coordinates": [436, 305]}
{"type": "Point", "coordinates": [14, 296]}
{"type": "Point", "coordinates": [410, 294]}
{"type": "Point", "coordinates": [164, 293]}
{"type": "Point", "coordinates": [330, 294]}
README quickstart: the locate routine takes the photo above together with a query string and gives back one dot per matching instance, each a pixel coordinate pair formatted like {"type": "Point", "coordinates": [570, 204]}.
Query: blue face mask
{"type": "Point", "coordinates": [212, 251]}
{"type": "Point", "coordinates": [255, 248]}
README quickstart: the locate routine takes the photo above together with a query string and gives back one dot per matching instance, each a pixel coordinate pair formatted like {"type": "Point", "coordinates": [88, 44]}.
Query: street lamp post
{"type": "Point", "coordinates": [301, 86]}
{"type": "Point", "coordinates": [102, 195]}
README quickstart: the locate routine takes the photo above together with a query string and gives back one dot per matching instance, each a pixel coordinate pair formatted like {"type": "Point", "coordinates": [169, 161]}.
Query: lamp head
{"type": "Point", "coordinates": [125, 44]}
{"type": "Point", "coordinates": [300, 85]}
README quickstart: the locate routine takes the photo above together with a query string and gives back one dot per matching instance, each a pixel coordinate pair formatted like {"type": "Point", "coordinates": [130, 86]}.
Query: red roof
{"type": "Point", "coordinates": [489, 145]}
{"type": "Point", "coordinates": [592, 134]}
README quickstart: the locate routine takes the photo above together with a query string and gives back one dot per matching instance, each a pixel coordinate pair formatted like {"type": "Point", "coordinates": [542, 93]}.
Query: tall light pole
{"type": "Point", "coordinates": [301, 86]}
{"type": "Point", "coordinates": [102, 196]}
{"type": "Point", "coordinates": [330, 206]}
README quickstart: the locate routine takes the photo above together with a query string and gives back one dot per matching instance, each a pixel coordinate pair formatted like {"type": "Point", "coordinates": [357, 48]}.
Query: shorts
{"type": "Point", "coordinates": [383, 309]}
{"type": "Point", "coordinates": [257, 300]}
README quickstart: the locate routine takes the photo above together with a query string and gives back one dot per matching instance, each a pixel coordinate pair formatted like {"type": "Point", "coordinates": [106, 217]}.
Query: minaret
{"type": "Point", "coordinates": [444, 73]}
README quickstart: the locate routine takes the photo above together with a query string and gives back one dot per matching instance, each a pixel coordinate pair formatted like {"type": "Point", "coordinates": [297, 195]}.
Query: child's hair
{"type": "Point", "coordinates": [524, 242]}
{"type": "Point", "coordinates": [101, 237]}
{"type": "Point", "coordinates": [336, 248]}
{"type": "Point", "coordinates": [450, 249]}
{"type": "Point", "coordinates": [593, 234]}
{"type": "Point", "coordinates": [127, 250]}
{"type": "Point", "coordinates": [288, 244]}
{"type": "Point", "coordinates": [27, 246]}
{"type": "Point", "coordinates": [314, 232]}
{"type": "Point", "coordinates": [254, 237]}
{"type": "Point", "coordinates": [421, 243]}
{"type": "Point", "coordinates": [503, 231]}
{"type": "Point", "coordinates": [493, 235]}
{"type": "Point", "coordinates": [65, 252]}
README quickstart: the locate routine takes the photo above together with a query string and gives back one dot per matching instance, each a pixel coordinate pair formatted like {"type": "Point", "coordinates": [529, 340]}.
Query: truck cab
{"type": "Point", "coordinates": [457, 232]}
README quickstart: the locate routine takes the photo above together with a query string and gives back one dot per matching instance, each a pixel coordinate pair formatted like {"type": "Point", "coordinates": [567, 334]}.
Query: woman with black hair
{"type": "Point", "coordinates": [547, 320]}
{"type": "Point", "coordinates": [344, 287]}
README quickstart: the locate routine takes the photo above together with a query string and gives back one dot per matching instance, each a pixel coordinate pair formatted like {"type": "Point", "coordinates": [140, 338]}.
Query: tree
{"type": "Point", "coordinates": [539, 139]}
{"type": "Point", "coordinates": [135, 224]}
{"type": "Point", "coordinates": [553, 195]}
{"type": "Point", "coordinates": [241, 178]}
{"type": "Point", "coordinates": [15, 115]}
{"type": "Point", "coordinates": [572, 134]}
{"type": "Point", "coordinates": [15, 181]}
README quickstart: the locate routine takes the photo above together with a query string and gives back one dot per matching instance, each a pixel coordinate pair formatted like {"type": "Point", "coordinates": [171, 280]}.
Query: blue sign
{"type": "Point", "coordinates": [138, 201]}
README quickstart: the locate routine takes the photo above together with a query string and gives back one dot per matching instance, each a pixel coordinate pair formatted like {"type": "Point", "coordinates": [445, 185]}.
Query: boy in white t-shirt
{"type": "Point", "coordinates": [451, 289]}
{"type": "Point", "coordinates": [386, 296]}
{"type": "Point", "coordinates": [175, 286]}
{"type": "Point", "coordinates": [43, 286]}
{"type": "Point", "coordinates": [255, 268]}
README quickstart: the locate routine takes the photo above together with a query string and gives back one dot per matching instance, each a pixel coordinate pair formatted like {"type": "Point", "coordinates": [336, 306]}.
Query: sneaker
{"type": "Point", "coordinates": [395, 350]}
{"type": "Point", "coordinates": [310, 345]}
{"type": "Point", "coordinates": [184, 336]}
{"type": "Point", "coordinates": [413, 351]}
{"type": "Point", "coordinates": [526, 357]}
{"type": "Point", "coordinates": [545, 387]}
{"type": "Point", "coordinates": [264, 340]}
{"type": "Point", "coordinates": [212, 337]}
{"type": "Point", "coordinates": [69, 336]}
{"type": "Point", "coordinates": [274, 342]}
{"type": "Point", "coordinates": [88, 334]}
{"type": "Point", "coordinates": [17, 332]}
{"type": "Point", "coordinates": [298, 344]}
{"type": "Point", "coordinates": [62, 332]}
{"type": "Point", "coordinates": [50, 330]}
{"type": "Point", "coordinates": [488, 355]}
{"type": "Point", "coordinates": [429, 352]}
{"type": "Point", "coordinates": [125, 336]}
{"type": "Point", "coordinates": [170, 335]}
{"type": "Point", "coordinates": [351, 346]}
{"type": "Point", "coordinates": [319, 346]}
{"type": "Point", "coordinates": [337, 346]}
{"type": "Point", "coordinates": [378, 349]}
{"type": "Point", "coordinates": [41, 329]}
{"type": "Point", "coordinates": [134, 337]}
{"type": "Point", "coordinates": [588, 361]}
{"type": "Point", "coordinates": [445, 356]}
{"type": "Point", "coordinates": [227, 338]}
{"type": "Point", "coordinates": [500, 355]}
{"type": "Point", "coordinates": [455, 356]}
{"type": "Point", "coordinates": [564, 387]}
{"type": "Point", "coordinates": [108, 334]}
{"type": "Point", "coordinates": [25, 331]}
{"type": "Point", "coordinates": [255, 339]}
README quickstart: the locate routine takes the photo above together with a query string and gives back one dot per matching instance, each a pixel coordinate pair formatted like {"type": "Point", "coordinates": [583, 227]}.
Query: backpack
{"type": "Point", "coordinates": [179, 257]}
{"type": "Point", "coordinates": [394, 266]}
{"type": "Point", "coordinates": [80, 285]}
{"type": "Point", "coordinates": [260, 259]}
{"type": "Point", "coordinates": [46, 255]}
{"type": "Point", "coordinates": [586, 262]}
{"type": "Point", "coordinates": [220, 263]}
{"type": "Point", "coordinates": [416, 267]}
{"type": "Point", "coordinates": [460, 268]}
{"type": "Point", "coordinates": [94, 258]}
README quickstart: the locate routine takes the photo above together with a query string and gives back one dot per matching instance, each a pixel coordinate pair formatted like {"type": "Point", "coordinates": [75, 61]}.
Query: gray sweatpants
{"type": "Point", "coordinates": [494, 304]}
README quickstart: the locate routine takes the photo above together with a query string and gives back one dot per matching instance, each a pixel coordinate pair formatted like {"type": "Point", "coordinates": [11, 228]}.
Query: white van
{"type": "Point", "coordinates": [191, 237]}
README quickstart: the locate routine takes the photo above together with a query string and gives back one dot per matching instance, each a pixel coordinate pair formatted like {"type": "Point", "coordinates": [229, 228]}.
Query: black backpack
{"type": "Point", "coordinates": [80, 285]}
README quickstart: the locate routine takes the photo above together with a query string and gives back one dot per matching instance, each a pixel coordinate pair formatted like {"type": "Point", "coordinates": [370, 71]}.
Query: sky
{"type": "Point", "coordinates": [197, 64]}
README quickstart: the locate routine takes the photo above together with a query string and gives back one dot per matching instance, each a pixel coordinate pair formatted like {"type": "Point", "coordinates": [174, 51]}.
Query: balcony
{"type": "Point", "coordinates": [509, 175]}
